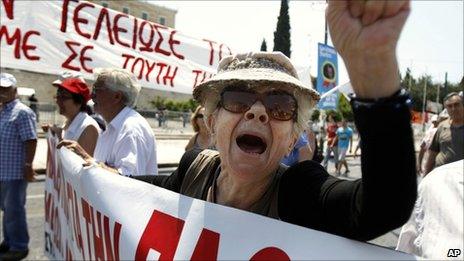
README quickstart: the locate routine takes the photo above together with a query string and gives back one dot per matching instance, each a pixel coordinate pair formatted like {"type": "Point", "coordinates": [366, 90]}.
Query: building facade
{"type": "Point", "coordinates": [42, 83]}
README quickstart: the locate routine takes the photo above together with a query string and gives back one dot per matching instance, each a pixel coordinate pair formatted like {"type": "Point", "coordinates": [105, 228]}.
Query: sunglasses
{"type": "Point", "coordinates": [199, 116]}
{"type": "Point", "coordinates": [63, 97]}
{"type": "Point", "coordinates": [279, 104]}
{"type": "Point", "coordinates": [62, 94]}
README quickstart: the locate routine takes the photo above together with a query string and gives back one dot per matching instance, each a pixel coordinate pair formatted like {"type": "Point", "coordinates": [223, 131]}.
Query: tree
{"type": "Point", "coordinates": [416, 89]}
{"type": "Point", "coordinates": [345, 108]}
{"type": "Point", "coordinates": [315, 115]}
{"type": "Point", "coordinates": [282, 33]}
{"type": "Point", "coordinates": [408, 80]}
{"type": "Point", "coordinates": [263, 46]}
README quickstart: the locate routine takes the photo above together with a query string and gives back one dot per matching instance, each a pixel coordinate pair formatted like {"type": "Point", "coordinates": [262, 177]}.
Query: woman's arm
{"type": "Point", "coordinates": [88, 139]}
{"type": "Point", "coordinates": [174, 181]}
{"type": "Point", "coordinates": [366, 208]}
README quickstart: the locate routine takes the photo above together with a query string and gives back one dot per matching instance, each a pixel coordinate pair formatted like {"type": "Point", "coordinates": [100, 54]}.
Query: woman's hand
{"type": "Point", "coordinates": [57, 131]}
{"type": "Point", "coordinates": [76, 148]}
{"type": "Point", "coordinates": [365, 33]}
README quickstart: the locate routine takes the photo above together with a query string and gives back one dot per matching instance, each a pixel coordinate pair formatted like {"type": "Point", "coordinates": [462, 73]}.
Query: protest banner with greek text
{"type": "Point", "coordinates": [54, 36]}
{"type": "Point", "coordinates": [92, 214]}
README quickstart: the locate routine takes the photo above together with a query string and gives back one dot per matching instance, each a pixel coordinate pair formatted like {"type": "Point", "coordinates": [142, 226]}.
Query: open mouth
{"type": "Point", "coordinates": [251, 144]}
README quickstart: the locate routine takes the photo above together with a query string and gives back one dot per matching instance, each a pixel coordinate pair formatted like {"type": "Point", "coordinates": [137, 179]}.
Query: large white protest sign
{"type": "Point", "coordinates": [52, 36]}
{"type": "Point", "coordinates": [92, 214]}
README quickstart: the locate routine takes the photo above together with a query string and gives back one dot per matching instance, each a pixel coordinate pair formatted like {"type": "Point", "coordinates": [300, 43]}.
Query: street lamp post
{"type": "Point", "coordinates": [424, 101]}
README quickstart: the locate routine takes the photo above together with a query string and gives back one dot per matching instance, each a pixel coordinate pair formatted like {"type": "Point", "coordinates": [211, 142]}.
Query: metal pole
{"type": "Point", "coordinates": [409, 82]}
{"type": "Point", "coordinates": [446, 83]}
{"type": "Point", "coordinates": [423, 104]}
{"type": "Point", "coordinates": [325, 35]}
{"type": "Point", "coordinates": [438, 98]}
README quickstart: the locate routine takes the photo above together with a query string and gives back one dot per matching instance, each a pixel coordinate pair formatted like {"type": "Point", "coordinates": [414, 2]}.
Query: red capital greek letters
{"type": "Point", "coordinates": [161, 234]}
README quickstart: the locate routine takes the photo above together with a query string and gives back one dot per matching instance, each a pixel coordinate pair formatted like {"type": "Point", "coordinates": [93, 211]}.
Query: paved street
{"type": "Point", "coordinates": [35, 203]}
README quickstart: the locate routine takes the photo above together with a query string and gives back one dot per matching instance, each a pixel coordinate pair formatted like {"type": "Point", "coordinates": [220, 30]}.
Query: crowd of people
{"type": "Point", "coordinates": [253, 148]}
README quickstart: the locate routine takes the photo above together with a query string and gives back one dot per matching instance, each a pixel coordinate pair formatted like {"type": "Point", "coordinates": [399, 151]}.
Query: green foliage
{"type": "Point", "coordinates": [263, 46]}
{"type": "Point", "coordinates": [158, 102]}
{"type": "Point", "coordinates": [282, 33]}
{"type": "Point", "coordinates": [315, 116]}
{"type": "Point", "coordinates": [173, 105]}
{"type": "Point", "coordinates": [337, 116]}
{"type": "Point", "coordinates": [344, 108]}
{"type": "Point", "coordinates": [416, 89]}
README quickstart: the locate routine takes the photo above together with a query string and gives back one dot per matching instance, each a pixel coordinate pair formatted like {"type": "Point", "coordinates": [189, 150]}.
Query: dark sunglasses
{"type": "Point", "coordinates": [279, 104]}
{"type": "Point", "coordinates": [62, 94]}
{"type": "Point", "coordinates": [63, 97]}
{"type": "Point", "coordinates": [199, 116]}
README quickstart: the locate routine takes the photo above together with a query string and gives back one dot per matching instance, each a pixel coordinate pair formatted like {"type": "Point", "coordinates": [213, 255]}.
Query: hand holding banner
{"type": "Point", "coordinates": [92, 214]}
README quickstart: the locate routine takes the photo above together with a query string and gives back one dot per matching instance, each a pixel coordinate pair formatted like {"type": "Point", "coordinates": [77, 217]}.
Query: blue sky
{"type": "Point", "coordinates": [432, 40]}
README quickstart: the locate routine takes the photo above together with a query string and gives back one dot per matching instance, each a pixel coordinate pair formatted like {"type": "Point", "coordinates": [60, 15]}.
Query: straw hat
{"type": "Point", "coordinates": [254, 68]}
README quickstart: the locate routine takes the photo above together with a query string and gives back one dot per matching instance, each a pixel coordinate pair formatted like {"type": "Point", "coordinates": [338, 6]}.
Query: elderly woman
{"type": "Point", "coordinates": [256, 107]}
{"type": "Point", "coordinates": [201, 138]}
{"type": "Point", "coordinates": [72, 95]}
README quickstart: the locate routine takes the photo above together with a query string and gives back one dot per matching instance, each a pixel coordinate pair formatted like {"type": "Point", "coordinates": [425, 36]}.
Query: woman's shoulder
{"type": "Point", "coordinates": [89, 123]}
{"type": "Point", "coordinates": [203, 156]}
{"type": "Point", "coordinates": [307, 172]}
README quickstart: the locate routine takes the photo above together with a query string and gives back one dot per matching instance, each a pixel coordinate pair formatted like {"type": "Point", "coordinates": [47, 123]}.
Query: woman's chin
{"type": "Point", "coordinates": [247, 162]}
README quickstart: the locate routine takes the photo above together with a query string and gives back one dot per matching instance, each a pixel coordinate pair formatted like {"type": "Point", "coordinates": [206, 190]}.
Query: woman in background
{"type": "Point", "coordinates": [202, 138]}
{"type": "Point", "coordinates": [72, 95]}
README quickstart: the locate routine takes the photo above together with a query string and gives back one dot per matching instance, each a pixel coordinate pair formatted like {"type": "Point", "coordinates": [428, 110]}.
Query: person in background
{"type": "Point", "coordinates": [202, 137]}
{"type": "Point", "coordinates": [344, 138]}
{"type": "Point", "coordinates": [18, 141]}
{"type": "Point", "coordinates": [72, 95]}
{"type": "Point", "coordinates": [185, 118]}
{"type": "Point", "coordinates": [33, 103]}
{"type": "Point", "coordinates": [425, 143]}
{"type": "Point", "coordinates": [331, 145]}
{"type": "Point", "coordinates": [301, 151]}
{"type": "Point", "coordinates": [436, 223]}
{"type": "Point", "coordinates": [448, 142]}
{"type": "Point", "coordinates": [128, 144]}
{"type": "Point", "coordinates": [161, 117]}
{"type": "Point", "coordinates": [97, 117]}
{"type": "Point", "coordinates": [358, 146]}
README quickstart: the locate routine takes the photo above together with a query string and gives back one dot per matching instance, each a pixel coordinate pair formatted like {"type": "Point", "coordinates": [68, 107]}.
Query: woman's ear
{"type": "Point", "coordinates": [211, 123]}
{"type": "Point", "coordinates": [292, 144]}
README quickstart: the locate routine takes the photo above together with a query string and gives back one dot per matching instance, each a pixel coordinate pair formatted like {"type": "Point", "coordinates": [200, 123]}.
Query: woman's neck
{"type": "Point", "coordinates": [70, 118]}
{"type": "Point", "coordinates": [231, 191]}
{"type": "Point", "coordinates": [203, 139]}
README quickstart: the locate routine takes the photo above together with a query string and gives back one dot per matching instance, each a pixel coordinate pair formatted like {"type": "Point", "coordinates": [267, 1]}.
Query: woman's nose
{"type": "Point", "coordinates": [257, 111]}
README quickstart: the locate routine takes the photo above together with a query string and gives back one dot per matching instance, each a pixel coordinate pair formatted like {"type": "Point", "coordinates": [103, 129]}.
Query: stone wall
{"type": "Point", "coordinates": [136, 8]}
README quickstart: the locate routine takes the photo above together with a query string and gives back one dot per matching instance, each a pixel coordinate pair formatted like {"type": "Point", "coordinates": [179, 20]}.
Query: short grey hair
{"type": "Point", "coordinates": [120, 80]}
{"type": "Point", "coordinates": [304, 100]}
{"type": "Point", "coordinates": [450, 95]}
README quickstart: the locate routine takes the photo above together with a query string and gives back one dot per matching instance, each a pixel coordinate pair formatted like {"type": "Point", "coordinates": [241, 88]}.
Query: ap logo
{"type": "Point", "coordinates": [454, 252]}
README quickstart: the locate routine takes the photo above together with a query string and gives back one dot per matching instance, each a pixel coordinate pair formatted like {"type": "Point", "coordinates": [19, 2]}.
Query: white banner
{"type": "Point", "coordinates": [53, 36]}
{"type": "Point", "coordinates": [92, 214]}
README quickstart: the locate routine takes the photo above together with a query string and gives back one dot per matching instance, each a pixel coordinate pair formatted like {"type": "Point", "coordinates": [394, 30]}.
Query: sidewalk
{"type": "Point", "coordinates": [170, 144]}
{"type": "Point", "coordinates": [160, 133]}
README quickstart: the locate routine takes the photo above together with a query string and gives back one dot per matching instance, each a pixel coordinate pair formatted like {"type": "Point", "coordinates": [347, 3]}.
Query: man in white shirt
{"type": "Point", "coordinates": [128, 145]}
{"type": "Point", "coordinates": [435, 228]}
